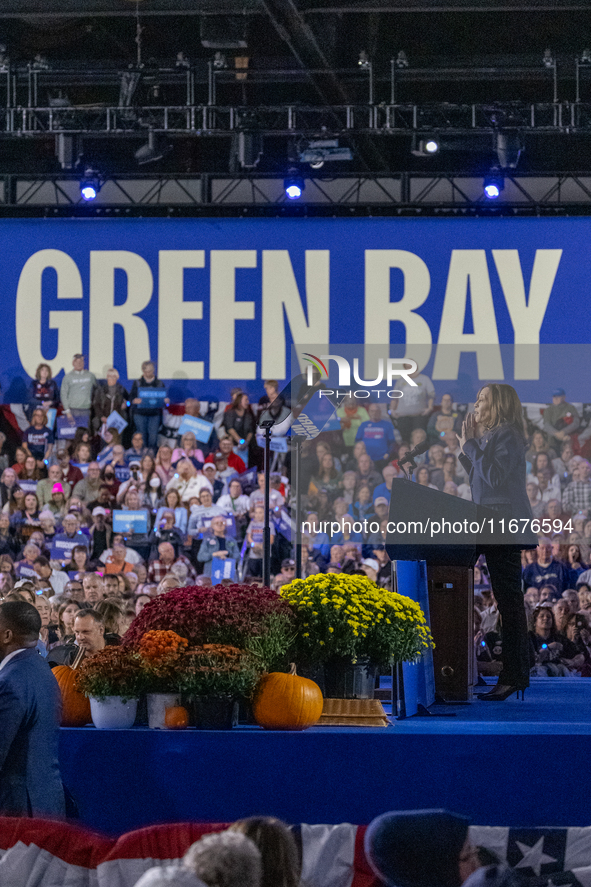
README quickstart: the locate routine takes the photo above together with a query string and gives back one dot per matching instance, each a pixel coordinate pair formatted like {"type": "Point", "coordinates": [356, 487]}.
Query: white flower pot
{"type": "Point", "coordinates": [157, 705]}
{"type": "Point", "coordinates": [113, 713]}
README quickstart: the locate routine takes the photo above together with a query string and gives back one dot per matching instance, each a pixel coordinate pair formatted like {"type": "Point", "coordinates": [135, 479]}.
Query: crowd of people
{"type": "Point", "coordinates": [196, 509]}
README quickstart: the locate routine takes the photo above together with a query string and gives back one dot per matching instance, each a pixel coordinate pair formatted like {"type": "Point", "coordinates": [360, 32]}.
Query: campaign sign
{"type": "Point", "coordinates": [200, 428]}
{"type": "Point", "coordinates": [66, 428]}
{"type": "Point", "coordinates": [25, 571]}
{"type": "Point", "coordinates": [50, 417]}
{"type": "Point", "coordinates": [130, 521]}
{"type": "Point", "coordinates": [222, 568]}
{"type": "Point", "coordinates": [282, 520]}
{"type": "Point", "coordinates": [28, 486]}
{"type": "Point", "coordinates": [152, 398]}
{"type": "Point", "coordinates": [62, 548]}
{"type": "Point", "coordinates": [122, 473]}
{"type": "Point", "coordinates": [276, 444]}
{"type": "Point", "coordinates": [248, 479]}
{"type": "Point", "coordinates": [115, 420]}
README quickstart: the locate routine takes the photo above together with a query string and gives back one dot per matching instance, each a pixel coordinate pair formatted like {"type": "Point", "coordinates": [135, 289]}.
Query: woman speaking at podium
{"type": "Point", "coordinates": [495, 464]}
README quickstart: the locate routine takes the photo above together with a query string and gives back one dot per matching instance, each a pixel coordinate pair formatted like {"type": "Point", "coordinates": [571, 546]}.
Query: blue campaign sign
{"type": "Point", "coordinates": [276, 444]}
{"type": "Point", "coordinates": [61, 548]}
{"type": "Point", "coordinates": [200, 428]}
{"type": "Point", "coordinates": [26, 571]}
{"type": "Point", "coordinates": [115, 420]}
{"type": "Point", "coordinates": [130, 521]}
{"type": "Point", "coordinates": [282, 520]}
{"type": "Point", "coordinates": [219, 302]}
{"type": "Point", "coordinates": [222, 568]}
{"type": "Point", "coordinates": [152, 398]}
{"type": "Point", "coordinates": [122, 473]}
{"type": "Point", "coordinates": [248, 478]}
{"type": "Point", "coordinates": [66, 428]}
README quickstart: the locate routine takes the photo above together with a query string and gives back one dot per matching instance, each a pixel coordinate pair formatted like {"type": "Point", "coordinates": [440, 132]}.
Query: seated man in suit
{"type": "Point", "coordinates": [30, 712]}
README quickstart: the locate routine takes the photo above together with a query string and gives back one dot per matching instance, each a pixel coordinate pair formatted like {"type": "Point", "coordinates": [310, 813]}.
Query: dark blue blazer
{"type": "Point", "coordinates": [30, 713]}
{"type": "Point", "coordinates": [496, 468]}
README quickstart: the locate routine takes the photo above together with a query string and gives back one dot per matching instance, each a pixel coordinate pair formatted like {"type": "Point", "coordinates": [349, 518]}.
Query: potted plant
{"type": "Point", "coordinates": [353, 627]}
{"type": "Point", "coordinates": [214, 677]}
{"type": "Point", "coordinates": [113, 681]}
{"type": "Point", "coordinates": [161, 654]}
{"type": "Point", "coordinates": [242, 616]}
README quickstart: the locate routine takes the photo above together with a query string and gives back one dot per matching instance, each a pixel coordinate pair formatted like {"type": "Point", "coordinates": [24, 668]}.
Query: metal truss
{"type": "Point", "coordinates": [290, 120]}
{"type": "Point", "coordinates": [389, 194]}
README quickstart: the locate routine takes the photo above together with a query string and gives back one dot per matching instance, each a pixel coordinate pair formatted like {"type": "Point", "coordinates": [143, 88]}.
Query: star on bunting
{"type": "Point", "coordinates": [533, 857]}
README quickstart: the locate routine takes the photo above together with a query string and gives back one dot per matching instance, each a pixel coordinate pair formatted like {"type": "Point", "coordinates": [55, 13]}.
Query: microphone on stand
{"type": "Point", "coordinates": [418, 451]}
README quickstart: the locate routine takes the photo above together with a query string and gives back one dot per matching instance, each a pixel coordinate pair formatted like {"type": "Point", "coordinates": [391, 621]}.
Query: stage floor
{"type": "Point", "coordinates": [492, 761]}
{"type": "Point", "coordinates": [551, 705]}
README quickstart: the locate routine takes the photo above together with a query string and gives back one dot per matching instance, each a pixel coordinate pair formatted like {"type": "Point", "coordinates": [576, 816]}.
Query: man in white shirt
{"type": "Point", "coordinates": [234, 502]}
{"type": "Point", "coordinates": [44, 570]}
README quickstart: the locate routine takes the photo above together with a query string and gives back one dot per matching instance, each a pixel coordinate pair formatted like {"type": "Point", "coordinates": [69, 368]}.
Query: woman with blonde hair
{"type": "Point", "coordinates": [107, 397]}
{"type": "Point", "coordinates": [496, 468]}
{"type": "Point", "coordinates": [188, 482]}
{"type": "Point", "coordinates": [188, 449]}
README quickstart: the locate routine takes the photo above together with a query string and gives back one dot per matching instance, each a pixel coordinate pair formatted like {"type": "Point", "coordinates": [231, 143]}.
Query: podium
{"type": "Point", "coordinates": [450, 582]}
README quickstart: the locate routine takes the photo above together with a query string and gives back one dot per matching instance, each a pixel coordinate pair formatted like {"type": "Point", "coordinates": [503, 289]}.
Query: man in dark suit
{"type": "Point", "coordinates": [30, 709]}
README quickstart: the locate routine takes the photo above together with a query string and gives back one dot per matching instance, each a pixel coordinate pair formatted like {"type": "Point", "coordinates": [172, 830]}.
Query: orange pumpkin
{"type": "Point", "coordinates": [287, 701]}
{"type": "Point", "coordinates": [75, 706]}
{"type": "Point", "coordinates": [176, 717]}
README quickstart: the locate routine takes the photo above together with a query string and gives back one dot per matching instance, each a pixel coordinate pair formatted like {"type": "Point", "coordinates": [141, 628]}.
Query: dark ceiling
{"type": "Point", "coordinates": [306, 53]}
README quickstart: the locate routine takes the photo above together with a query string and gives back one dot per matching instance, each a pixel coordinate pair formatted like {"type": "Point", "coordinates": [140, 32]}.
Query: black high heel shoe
{"type": "Point", "coordinates": [502, 692]}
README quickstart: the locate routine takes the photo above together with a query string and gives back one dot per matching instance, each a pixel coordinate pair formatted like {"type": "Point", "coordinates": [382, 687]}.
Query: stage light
{"type": "Point", "coordinates": [402, 59]}
{"type": "Point", "coordinates": [424, 147]}
{"type": "Point", "coordinates": [508, 147]}
{"type": "Point", "coordinates": [293, 185]}
{"type": "Point", "coordinates": [153, 150]}
{"type": "Point", "coordinates": [90, 185]}
{"type": "Point", "coordinates": [492, 186]}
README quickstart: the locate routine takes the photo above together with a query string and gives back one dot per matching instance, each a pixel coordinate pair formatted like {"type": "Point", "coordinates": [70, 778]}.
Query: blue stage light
{"type": "Point", "coordinates": [90, 185]}
{"type": "Point", "coordinates": [89, 192]}
{"type": "Point", "coordinates": [293, 192]}
{"type": "Point", "coordinates": [492, 186]}
{"type": "Point", "coordinates": [293, 185]}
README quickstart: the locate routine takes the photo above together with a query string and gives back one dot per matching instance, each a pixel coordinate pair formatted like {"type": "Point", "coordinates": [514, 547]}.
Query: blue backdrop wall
{"type": "Point", "coordinates": [214, 301]}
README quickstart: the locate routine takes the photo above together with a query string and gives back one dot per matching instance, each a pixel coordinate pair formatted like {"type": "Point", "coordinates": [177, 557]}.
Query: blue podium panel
{"type": "Point", "coordinates": [419, 678]}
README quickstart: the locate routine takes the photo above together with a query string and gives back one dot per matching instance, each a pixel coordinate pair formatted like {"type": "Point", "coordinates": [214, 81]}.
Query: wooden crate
{"type": "Point", "coordinates": [353, 713]}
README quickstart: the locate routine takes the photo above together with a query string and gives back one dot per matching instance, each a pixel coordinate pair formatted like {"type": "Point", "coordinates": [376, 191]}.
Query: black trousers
{"type": "Point", "coordinates": [504, 566]}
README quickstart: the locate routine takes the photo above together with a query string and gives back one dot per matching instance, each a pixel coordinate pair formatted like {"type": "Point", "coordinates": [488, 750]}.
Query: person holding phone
{"type": "Point", "coordinates": [495, 463]}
